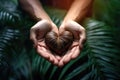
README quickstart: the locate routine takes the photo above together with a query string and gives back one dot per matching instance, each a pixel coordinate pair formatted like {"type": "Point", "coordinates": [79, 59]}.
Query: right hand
{"type": "Point", "coordinates": [37, 35]}
{"type": "Point", "coordinates": [79, 38]}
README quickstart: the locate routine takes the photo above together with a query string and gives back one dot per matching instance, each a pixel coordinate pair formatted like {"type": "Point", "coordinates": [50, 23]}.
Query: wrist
{"type": "Point", "coordinates": [66, 22]}
{"type": "Point", "coordinates": [40, 17]}
{"type": "Point", "coordinates": [51, 24]}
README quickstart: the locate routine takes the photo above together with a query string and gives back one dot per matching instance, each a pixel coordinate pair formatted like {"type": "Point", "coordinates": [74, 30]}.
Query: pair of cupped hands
{"type": "Point", "coordinates": [40, 30]}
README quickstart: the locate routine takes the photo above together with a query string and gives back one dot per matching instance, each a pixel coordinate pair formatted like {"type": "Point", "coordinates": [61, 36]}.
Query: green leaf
{"type": "Point", "coordinates": [99, 59]}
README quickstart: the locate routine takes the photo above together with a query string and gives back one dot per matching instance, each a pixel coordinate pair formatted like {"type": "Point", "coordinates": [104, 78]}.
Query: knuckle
{"type": "Point", "coordinates": [32, 28]}
{"type": "Point", "coordinates": [83, 29]}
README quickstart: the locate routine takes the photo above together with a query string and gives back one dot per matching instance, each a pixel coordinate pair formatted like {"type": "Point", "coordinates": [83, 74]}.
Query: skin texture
{"type": "Point", "coordinates": [79, 37]}
{"type": "Point", "coordinates": [75, 14]}
{"type": "Point", "coordinates": [37, 35]}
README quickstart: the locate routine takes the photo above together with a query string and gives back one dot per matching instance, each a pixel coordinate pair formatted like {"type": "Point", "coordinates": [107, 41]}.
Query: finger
{"type": "Point", "coordinates": [73, 27]}
{"type": "Point", "coordinates": [66, 58]}
{"type": "Point", "coordinates": [77, 30]}
{"type": "Point", "coordinates": [42, 43]}
{"type": "Point", "coordinates": [54, 28]}
{"type": "Point", "coordinates": [33, 36]}
{"type": "Point", "coordinates": [61, 29]}
{"type": "Point", "coordinates": [51, 59]}
{"type": "Point", "coordinates": [69, 56]}
{"type": "Point", "coordinates": [61, 63]}
{"type": "Point", "coordinates": [41, 51]}
{"type": "Point", "coordinates": [76, 53]}
{"type": "Point", "coordinates": [42, 27]}
{"type": "Point", "coordinates": [82, 37]}
{"type": "Point", "coordinates": [57, 57]}
{"type": "Point", "coordinates": [45, 53]}
{"type": "Point", "coordinates": [75, 43]}
{"type": "Point", "coordinates": [55, 60]}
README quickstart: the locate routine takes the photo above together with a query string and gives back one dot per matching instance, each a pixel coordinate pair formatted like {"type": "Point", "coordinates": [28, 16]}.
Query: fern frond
{"type": "Point", "coordinates": [7, 36]}
{"type": "Point", "coordinates": [102, 54]}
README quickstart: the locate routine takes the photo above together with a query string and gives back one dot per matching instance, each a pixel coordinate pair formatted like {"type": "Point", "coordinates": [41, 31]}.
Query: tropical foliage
{"type": "Point", "coordinates": [99, 59]}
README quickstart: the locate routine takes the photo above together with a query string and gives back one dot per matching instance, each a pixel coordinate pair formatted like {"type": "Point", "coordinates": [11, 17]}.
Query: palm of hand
{"type": "Point", "coordinates": [44, 45]}
{"type": "Point", "coordinates": [79, 37]}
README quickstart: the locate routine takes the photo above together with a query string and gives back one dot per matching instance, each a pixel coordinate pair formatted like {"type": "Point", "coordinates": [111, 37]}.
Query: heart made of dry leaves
{"type": "Point", "coordinates": [59, 44]}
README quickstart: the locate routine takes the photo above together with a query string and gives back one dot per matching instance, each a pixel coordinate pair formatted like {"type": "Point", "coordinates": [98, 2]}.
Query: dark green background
{"type": "Point", "coordinates": [99, 59]}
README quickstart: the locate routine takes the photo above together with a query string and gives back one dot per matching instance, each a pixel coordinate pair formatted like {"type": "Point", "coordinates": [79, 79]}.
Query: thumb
{"type": "Point", "coordinates": [39, 30]}
{"type": "Point", "coordinates": [75, 28]}
{"type": "Point", "coordinates": [33, 37]}
{"type": "Point", "coordinates": [82, 37]}
{"type": "Point", "coordinates": [61, 29]}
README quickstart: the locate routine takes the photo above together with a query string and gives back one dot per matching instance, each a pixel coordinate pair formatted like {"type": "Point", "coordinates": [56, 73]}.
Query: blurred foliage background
{"type": "Point", "coordinates": [99, 60]}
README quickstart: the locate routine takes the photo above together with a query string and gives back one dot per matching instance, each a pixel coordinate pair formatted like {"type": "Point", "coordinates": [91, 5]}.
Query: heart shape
{"type": "Point", "coordinates": [59, 44]}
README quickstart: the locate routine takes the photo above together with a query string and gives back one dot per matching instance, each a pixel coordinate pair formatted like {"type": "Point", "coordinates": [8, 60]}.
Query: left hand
{"type": "Point", "coordinates": [79, 37]}
{"type": "Point", "coordinates": [37, 35]}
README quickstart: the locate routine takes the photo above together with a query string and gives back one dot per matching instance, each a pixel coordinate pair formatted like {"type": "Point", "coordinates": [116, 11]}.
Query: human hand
{"type": "Point", "coordinates": [79, 37]}
{"type": "Point", "coordinates": [37, 35]}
